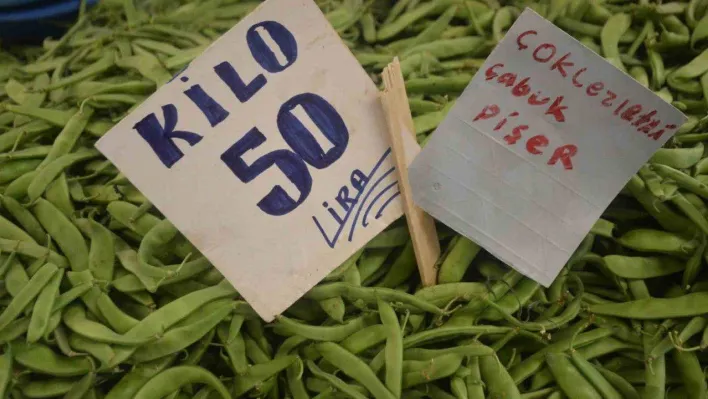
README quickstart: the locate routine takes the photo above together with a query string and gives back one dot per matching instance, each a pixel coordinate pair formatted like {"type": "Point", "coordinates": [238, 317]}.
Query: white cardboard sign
{"type": "Point", "coordinates": [269, 153]}
{"type": "Point", "coordinates": [543, 138]}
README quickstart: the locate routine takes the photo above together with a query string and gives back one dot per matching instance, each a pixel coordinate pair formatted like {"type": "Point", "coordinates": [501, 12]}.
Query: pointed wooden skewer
{"type": "Point", "coordinates": [400, 122]}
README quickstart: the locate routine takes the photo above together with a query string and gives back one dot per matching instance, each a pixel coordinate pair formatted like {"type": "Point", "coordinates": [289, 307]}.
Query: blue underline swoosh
{"type": "Point", "coordinates": [331, 242]}
{"type": "Point", "coordinates": [373, 202]}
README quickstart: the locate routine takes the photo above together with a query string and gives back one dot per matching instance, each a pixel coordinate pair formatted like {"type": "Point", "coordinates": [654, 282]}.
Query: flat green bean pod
{"type": "Point", "coordinates": [322, 333]}
{"type": "Point", "coordinates": [688, 305]}
{"type": "Point", "coordinates": [642, 267]}
{"type": "Point", "coordinates": [42, 359]}
{"type": "Point", "coordinates": [647, 240]}
{"type": "Point", "coordinates": [171, 379]}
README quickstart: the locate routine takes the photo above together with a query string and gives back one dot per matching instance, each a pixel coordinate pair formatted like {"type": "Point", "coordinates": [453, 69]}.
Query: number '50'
{"type": "Point", "coordinates": [275, 49]}
{"type": "Point", "coordinates": [305, 148]}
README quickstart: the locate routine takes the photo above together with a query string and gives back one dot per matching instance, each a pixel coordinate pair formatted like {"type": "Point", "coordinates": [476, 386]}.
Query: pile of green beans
{"type": "Point", "coordinates": [102, 297]}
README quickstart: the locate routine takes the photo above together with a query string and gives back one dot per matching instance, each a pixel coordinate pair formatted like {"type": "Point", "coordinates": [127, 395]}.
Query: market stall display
{"type": "Point", "coordinates": [103, 298]}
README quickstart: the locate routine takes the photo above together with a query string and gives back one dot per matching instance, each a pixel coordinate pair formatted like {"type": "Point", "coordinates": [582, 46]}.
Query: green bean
{"type": "Point", "coordinates": [393, 237]}
{"type": "Point", "coordinates": [52, 170]}
{"type": "Point", "coordinates": [648, 240]}
{"type": "Point", "coordinates": [473, 349]}
{"type": "Point", "coordinates": [438, 84]}
{"type": "Point", "coordinates": [642, 267]}
{"type": "Point", "coordinates": [477, 304]}
{"type": "Point", "coordinates": [393, 349]}
{"type": "Point", "coordinates": [131, 382]}
{"type": "Point", "coordinates": [389, 30]}
{"type": "Point", "coordinates": [41, 359]}
{"type": "Point", "coordinates": [101, 257]}
{"type": "Point", "coordinates": [690, 211]}
{"type": "Point", "coordinates": [513, 300]}
{"type": "Point", "coordinates": [16, 277]}
{"type": "Point", "coordinates": [147, 65]}
{"type": "Point", "coordinates": [595, 377]}
{"type": "Point", "coordinates": [366, 338]}
{"type": "Point", "coordinates": [335, 381]}
{"type": "Point", "coordinates": [571, 381]}
{"type": "Point", "coordinates": [69, 135]}
{"type": "Point", "coordinates": [334, 307]}
{"type": "Point", "coordinates": [371, 295]}
{"type": "Point", "coordinates": [352, 366]}
{"type": "Point", "coordinates": [528, 366]}
{"type": "Point", "coordinates": [199, 348]}
{"type": "Point", "coordinates": [33, 97]}
{"type": "Point", "coordinates": [43, 307]}
{"type": "Point", "coordinates": [44, 66]}
{"type": "Point", "coordinates": [684, 85]}
{"type": "Point", "coordinates": [499, 382]}
{"type": "Point", "coordinates": [434, 31]}
{"type": "Point", "coordinates": [401, 269]}
{"type": "Point", "coordinates": [64, 233]}
{"type": "Point", "coordinates": [685, 181]}
{"type": "Point", "coordinates": [27, 294]}
{"type": "Point", "coordinates": [678, 158]}
{"type": "Point", "coordinates": [18, 188]}
{"type": "Point", "coordinates": [430, 370]}
{"type": "Point", "coordinates": [569, 313]}
{"type": "Point", "coordinates": [58, 194]}
{"type": "Point", "coordinates": [654, 308]}
{"type": "Point", "coordinates": [624, 387]}
{"type": "Point", "coordinates": [6, 360]}
{"type": "Point", "coordinates": [619, 328]}
{"type": "Point", "coordinates": [179, 338]}
{"type": "Point", "coordinates": [700, 32]}
{"type": "Point", "coordinates": [48, 117]}
{"type": "Point", "coordinates": [431, 120]}
{"type": "Point", "coordinates": [177, 310]}
{"type": "Point", "coordinates": [98, 67]}
{"type": "Point", "coordinates": [101, 351]}
{"type": "Point", "coordinates": [11, 231]}
{"type": "Point", "coordinates": [691, 372]}
{"type": "Point", "coordinates": [235, 347]}
{"type": "Point", "coordinates": [694, 264]}
{"type": "Point", "coordinates": [321, 333]}
{"type": "Point", "coordinates": [418, 106]}
{"type": "Point", "coordinates": [652, 181]}
{"type": "Point", "coordinates": [443, 294]}
{"type": "Point", "coordinates": [29, 131]}
{"type": "Point", "coordinates": [171, 379]}
{"type": "Point", "coordinates": [75, 318]}
{"type": "Point", "coordinates": [87, 89]}
{"type": "Point", "coordinates": [457, 259]}
{"type": "Point", "coordinates": [117, 319]}
{"type": "Point", "coordinates": [48, 388]}
{"type": "Point", "coordinates": [610, 35]}
{"type": "Point", "coordinates": [178, 61]}
{"type": "Point", "coordinates": [14, 169]}
{"type": "Point", "coordinates": [261, 372]}
{"type": "Point", "coordinates": [371, 261]}
{"type": "Point", "coordinates": [81, 387]}
{"type": "Point", "coordinates": [448, 48]}
{"type": "Point", "coordinates": [595, 31]}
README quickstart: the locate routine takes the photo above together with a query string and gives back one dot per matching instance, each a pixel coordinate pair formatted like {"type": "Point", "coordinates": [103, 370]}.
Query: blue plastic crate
{"type": "Point", "coordinates": [39, 19]}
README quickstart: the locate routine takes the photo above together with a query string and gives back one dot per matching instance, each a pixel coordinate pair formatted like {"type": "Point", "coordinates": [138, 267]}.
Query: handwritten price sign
{"type": "Point", "coordinates": [269, 153]}
{"type": "Point", "coordinates": [542, 139]}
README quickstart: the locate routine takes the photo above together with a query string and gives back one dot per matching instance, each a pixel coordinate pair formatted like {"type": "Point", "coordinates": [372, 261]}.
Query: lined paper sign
{"type": "Point", "coordinates": [542, 139]}
{"type": "Point", "coordinates": [269, 153]}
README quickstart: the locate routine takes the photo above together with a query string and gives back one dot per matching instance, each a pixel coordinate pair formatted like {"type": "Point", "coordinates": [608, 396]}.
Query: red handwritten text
{"type": "Point", "coordinates": [628, 110]}
{"type": "Point", "coordinates": [535, 144]}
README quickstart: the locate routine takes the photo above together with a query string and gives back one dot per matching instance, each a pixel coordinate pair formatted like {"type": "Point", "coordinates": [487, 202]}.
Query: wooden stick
{"type": "Point", "coordinates": [400, 122]}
